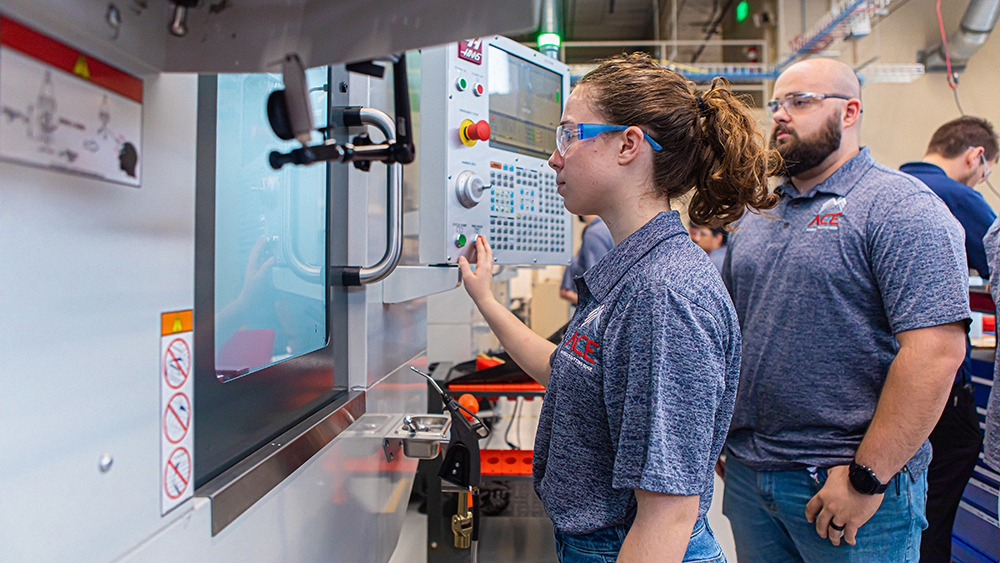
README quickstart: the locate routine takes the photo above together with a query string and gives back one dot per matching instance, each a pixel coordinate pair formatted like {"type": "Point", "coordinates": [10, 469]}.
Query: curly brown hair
{"type": "Point", "coordinates": [710, 140]}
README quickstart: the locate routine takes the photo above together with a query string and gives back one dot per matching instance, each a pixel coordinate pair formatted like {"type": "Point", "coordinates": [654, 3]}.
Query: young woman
{"type": "Point", "coordinates": [640, 392]}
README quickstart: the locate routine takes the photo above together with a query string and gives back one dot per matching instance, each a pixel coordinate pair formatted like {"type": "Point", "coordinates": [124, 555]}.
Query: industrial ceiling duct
{"type": "Point", "coordinates": [979, 20]}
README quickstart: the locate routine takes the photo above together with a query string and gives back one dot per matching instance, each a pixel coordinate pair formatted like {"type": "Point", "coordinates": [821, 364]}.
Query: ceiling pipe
{"type": "Point", "coordinates": [551, 24]}
{"type": "Point", "coordinates": [979, 20]}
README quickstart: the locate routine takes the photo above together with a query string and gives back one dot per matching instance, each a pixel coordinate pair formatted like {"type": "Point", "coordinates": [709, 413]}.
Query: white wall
{"type": "Point", "coordinates": [899, 119]}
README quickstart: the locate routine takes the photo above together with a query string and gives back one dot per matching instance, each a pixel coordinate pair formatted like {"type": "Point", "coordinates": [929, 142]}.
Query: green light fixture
{"type": "Point", "coordinates": [742, 11]}
{"type": "Point", "coordinates": [549, 40]}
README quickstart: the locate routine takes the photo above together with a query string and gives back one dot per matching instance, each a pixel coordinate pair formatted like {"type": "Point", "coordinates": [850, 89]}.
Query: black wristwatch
{"type": "Point", "coordinates": [864, 480]}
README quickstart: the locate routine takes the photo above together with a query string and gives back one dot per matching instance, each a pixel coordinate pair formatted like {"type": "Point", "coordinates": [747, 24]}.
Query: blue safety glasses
{"type": "Point", "coordinates": [566, 136]}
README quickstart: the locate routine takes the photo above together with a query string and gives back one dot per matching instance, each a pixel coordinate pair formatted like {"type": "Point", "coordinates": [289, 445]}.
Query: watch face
{"type": "Point", "coordinates": [862, 479]}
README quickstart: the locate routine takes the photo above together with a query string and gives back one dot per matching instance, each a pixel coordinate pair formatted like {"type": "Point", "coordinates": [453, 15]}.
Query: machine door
{"type": "Point", "coordinates": [262, 301]}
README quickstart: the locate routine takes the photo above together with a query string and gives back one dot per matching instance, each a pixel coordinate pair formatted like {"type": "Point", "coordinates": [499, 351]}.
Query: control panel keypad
{"type": "Point", "coordinates": [527, 212]}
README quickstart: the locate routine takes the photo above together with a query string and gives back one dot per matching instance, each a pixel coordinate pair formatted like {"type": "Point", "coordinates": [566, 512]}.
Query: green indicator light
{"type": "Point", "coordinates": [461, 241]}
{"type": "Point", "coordinates": [549, 39]}
{"type": "Point", "coordinates": [742, 11]}
{"type": "Point", "coordinates": [463, 83]}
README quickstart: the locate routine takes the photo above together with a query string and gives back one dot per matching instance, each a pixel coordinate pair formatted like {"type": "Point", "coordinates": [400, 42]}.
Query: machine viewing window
{"type": "Point", "coordinates": [270, 234]}
{"type": "Point", "coordinates": [263, 351]}
{"type": "Point", "coordinates": [525, 105]}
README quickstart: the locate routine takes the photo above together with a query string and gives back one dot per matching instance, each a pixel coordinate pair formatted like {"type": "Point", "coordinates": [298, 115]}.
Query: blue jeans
{"type": "Point", "coordinates": [767, 512]}
{"type": "Point", "coordinates": [603, 546]}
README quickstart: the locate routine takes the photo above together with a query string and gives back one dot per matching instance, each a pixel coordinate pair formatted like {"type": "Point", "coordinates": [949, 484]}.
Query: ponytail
{"type": "Point", "coordinates": [711, 143]}
{"type": "Point", "coordinates": [734, 161]}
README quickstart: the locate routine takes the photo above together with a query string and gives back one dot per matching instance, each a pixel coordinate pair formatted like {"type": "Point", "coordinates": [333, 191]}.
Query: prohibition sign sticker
{"type": "Point", "coordinates": [177, 363]}
{"type": "Point", "coordinates": [177, 474]}
{"type": "Point", "coordinates": [177, 418]}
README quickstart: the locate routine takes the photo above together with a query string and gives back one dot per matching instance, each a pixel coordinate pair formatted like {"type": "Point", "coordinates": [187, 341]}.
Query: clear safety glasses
{"type": "Point", "coordinates": [800, 102]}
{"type": "Point", "coordinates": [566, 136]}
{"type": "Point", "coordinates": [986, 166]}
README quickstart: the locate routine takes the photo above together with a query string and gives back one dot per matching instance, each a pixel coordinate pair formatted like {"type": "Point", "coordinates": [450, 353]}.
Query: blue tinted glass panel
{"type": "Point", "coordinates": [270, 233]}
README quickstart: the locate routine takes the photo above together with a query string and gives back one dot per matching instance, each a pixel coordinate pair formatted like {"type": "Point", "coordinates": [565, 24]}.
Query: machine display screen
{"type": "Point", "coordinates": [525, 105]}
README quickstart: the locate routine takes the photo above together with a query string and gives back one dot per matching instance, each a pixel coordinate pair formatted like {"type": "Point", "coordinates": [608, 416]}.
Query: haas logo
{"type": "Point", "coordinates": [828, 218]}
{"type": "Point", "coordinates": [471, 50]}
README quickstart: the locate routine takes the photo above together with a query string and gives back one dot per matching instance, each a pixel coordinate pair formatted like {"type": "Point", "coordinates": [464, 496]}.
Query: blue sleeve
{"type": "Point", "coordinates": [670, 367]}
{"type": "Point", "coordinates": [727, 267]}
{"type": "Point", "coordinates": [991, 245]}
{"type": "Point", "coordinates": [976, 217]}
{"type": "Point", "coordinates": [571, 271]}
{"type": "Point", "coordinates": [917, 251]}
{"type": "Point", "coordinates": [596, 243]}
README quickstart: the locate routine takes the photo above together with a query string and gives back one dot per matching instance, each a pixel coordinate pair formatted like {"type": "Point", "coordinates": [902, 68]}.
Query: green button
{"type": "Point", "coordinates": [462, 84]}
{"type": "Point", "coordinates": [461, 241]}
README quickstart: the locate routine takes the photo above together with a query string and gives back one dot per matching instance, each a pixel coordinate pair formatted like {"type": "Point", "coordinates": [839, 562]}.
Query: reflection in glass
{"type": "Point", "coordinates": [270, 234]}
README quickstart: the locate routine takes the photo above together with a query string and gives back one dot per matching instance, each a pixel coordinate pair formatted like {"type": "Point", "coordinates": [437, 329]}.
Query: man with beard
{"type": "Point", "coordinates": [960, 155]}
{"type": "Point", "coordinates": [853, 302]}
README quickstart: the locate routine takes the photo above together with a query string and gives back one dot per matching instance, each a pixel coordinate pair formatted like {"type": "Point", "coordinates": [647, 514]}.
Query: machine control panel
{"type": "Point", "coordinates": [489, 110]}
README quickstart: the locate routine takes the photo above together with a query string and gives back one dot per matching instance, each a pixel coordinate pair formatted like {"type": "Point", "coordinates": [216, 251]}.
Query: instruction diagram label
{"type": "Point", "coordinates": [66, 110]}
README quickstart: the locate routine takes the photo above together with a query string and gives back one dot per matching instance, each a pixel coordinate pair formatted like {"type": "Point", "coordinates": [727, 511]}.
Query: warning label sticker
{"type": "Point", "coordinates": [176, 408]}
{"type": "Point", "coordinates": [177, 474]}
{"type": "Point", "coordinates": [177, 419]}
{"type": "Point", "coordinates": [177, 363]}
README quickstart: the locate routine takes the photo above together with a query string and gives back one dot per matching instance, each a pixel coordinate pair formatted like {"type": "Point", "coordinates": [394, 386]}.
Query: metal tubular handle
{"type": "Point", "coordinates": [394, 205]}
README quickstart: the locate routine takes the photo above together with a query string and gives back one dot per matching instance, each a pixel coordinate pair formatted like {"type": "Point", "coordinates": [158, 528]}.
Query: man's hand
{"type": "Point", "coordinates": [720, 467]}
{"type": "Point", "coordinates": [839, 504]}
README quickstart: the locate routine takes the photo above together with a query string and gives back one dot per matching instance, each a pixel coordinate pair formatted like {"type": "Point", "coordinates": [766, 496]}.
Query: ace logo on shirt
{"type": "Point", "coordinates": [582, 345]}
{"type": "Point", "coordinates": [828, 218]}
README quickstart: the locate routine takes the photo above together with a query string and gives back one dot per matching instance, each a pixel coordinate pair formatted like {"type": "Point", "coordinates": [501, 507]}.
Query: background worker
{"type": "Point", "coordinates": [712, 241]}
{"type": "Point", "coordinates": [991, 447]}
{"type": "Point", "coordinates": [853, 302]}
{"type": "Point", "coordinates": [595, 242]}
{"type": "Point", "coordinates": [960, 155]}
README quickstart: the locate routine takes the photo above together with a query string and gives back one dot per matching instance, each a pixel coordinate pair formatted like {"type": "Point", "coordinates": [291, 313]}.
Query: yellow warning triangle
{"type": "Point", "coordinates": [83, 71]}
{"type": "Point", "coordinates": [178, 325]}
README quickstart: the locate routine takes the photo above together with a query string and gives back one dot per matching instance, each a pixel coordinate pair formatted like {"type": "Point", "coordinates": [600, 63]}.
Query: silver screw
{"type": "Point", "coordinates": [114, 19]}
{"type": "Point", "coordinates": [105, 464]}
{"type": "Point", "coordinates": [114, 16]}
{"type": "Point", "coordinates": [178, 26]}
{"type": "Point", "coordinates": [434, 545]}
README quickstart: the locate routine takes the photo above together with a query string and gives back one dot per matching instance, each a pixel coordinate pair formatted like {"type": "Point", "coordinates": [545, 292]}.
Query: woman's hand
{"type": "Point", "coordinates": [479, 284]}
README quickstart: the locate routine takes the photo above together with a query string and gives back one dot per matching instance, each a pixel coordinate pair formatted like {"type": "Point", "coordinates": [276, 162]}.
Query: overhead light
{"type": "Point", "coordinates": [742, 11]}
{"type": "Point", "coordinates": [549, 40]}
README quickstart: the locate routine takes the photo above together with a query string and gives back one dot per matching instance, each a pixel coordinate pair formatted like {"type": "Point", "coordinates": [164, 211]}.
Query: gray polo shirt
{"type": "Point", "coordinates": [991, 445]}
{"type": "Point", "coordinates": [821, 284]}
{"type": "Point", "coordinates": [642, 387]}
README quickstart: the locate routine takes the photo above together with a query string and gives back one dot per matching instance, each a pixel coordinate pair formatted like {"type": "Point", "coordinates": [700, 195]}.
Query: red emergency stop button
{"type": "Point", "coordinates": [479, 131]}
{"type": "Point", "coordinates": [471, 132]}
